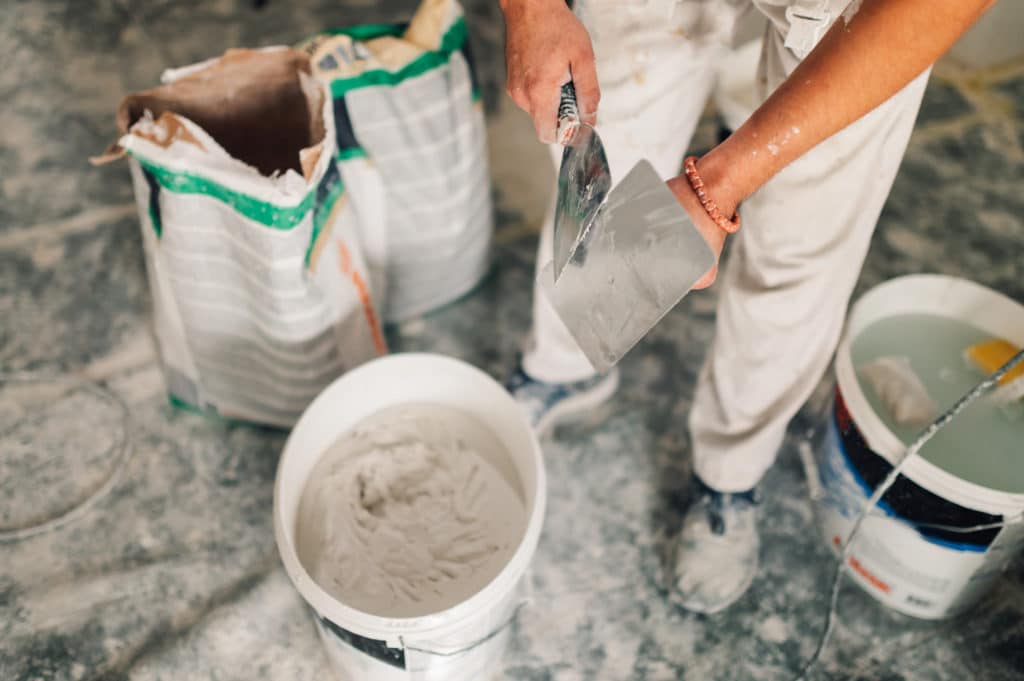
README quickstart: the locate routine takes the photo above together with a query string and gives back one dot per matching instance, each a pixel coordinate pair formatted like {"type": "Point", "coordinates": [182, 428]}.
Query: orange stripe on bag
{"type": "Point", "coordinates": [345, 264]}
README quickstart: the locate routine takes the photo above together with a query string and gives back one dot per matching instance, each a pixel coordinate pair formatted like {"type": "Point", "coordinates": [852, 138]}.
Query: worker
{"type": "Point", "coordinates": [839, 85]}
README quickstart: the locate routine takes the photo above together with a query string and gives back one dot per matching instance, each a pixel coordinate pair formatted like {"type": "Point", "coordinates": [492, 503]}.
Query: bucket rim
{"type": "Point", "coordinates": [395, 630]}
{"type": "Point", "coordinates": [883, 301]}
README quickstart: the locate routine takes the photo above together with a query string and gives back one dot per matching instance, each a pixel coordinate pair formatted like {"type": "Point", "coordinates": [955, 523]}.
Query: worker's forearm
{"type": "Point", "coordinates": [863, 60]}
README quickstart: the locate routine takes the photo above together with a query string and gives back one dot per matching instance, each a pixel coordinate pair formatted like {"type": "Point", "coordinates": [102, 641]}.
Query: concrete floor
{"type": "Point", "coordinates": [174, 574]}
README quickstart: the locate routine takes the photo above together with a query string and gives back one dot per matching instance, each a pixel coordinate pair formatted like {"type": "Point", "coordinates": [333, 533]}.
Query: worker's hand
{"type": "Point", "coordinates": [545, 47]}
{"type": "Point", "coordinates": [712, 233]}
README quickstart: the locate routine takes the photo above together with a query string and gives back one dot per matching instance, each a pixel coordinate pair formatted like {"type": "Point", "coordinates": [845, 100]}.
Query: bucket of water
{"type": "Point", "coordinates": [949, 525]}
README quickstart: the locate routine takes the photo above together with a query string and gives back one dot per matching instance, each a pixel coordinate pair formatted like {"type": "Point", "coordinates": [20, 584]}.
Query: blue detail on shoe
{"type": "Point", "coordinates": [545, 402]}
{"type": "Point", "coordinates": [716, 503]}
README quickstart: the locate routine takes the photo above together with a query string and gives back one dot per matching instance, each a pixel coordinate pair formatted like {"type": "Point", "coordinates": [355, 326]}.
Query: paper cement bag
{"type": "Point", "coordinates": [262, 270]}
{"type": "Point", "coordinates": [405, 97]}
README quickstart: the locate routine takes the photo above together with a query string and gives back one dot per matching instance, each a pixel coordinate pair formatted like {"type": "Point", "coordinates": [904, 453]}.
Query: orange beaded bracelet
{"type": "Point", "coordinates": [730, 225]}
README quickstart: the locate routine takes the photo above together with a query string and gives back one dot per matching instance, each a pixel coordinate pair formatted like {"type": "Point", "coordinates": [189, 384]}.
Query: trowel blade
{"type": "Point", "coordinates": [583, 184]}
{"type": "Point", "coordinates": [633, 263]}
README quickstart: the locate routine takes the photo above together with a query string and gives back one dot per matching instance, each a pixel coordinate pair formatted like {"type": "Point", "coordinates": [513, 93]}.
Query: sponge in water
{"type": "Point", "coordinates": [988, 356]}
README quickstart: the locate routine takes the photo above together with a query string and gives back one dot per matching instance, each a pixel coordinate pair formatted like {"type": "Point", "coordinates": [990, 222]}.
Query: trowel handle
{"type": "Point", "coordinates": [568, 114]}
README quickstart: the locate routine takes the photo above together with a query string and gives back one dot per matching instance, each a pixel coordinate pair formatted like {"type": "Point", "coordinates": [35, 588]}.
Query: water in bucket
{"type": "Point", "coordinates": [983, 444]}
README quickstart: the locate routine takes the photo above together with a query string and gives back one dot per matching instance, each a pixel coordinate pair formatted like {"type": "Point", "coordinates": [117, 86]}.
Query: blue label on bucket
{"type": "Point", "coordinates": [907, 500]}
{"type": "Point", "coordinates": [379, 650]}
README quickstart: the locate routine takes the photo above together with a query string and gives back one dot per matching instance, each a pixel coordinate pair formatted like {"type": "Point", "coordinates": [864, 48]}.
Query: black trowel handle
{"type": "Point", "coordinates": [568, 114]}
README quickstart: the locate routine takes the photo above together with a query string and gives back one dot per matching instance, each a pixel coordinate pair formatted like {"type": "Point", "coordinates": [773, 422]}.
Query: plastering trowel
{"type": "Point", "coordinates": [622, 257]}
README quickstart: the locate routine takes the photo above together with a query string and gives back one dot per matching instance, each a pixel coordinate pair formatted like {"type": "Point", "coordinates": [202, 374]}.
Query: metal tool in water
{"type": "Point", "coordinates": [622, 257]}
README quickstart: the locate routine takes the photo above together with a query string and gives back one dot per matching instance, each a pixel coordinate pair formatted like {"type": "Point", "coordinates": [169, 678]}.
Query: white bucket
{"type": "Point", "coordinates": [920, 571]}
{"type": "Point", "coordinates": [467, 640]}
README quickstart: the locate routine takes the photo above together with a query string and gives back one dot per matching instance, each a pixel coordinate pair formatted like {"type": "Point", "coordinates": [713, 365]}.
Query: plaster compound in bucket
{"type": "Point", "coordinates": [402, 517]}
{"type": "Point", "coordinates": [408, 504]}
{"type": "Point", "coordinates": [951, 522]}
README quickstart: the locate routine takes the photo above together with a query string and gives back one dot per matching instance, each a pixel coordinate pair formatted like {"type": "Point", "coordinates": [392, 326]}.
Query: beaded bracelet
{"type": "Point", "coordinates": [729, 225]}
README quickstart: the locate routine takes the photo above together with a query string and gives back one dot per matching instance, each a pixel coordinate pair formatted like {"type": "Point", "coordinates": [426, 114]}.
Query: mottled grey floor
{"type": "Point", "coordinates": [173, 574]}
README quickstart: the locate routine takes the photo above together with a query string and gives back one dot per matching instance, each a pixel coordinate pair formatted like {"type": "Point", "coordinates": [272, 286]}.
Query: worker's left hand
{"type": "Point", "coordinates": [712, 233]}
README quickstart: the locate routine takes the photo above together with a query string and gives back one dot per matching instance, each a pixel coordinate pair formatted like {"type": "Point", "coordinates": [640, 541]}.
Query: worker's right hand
{"type": "Point", "coordinates": [545, 47]}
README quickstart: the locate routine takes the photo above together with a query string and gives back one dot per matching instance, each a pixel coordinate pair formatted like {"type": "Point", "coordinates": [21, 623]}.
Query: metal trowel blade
{"type": "Point", "coordinates": [583, 184]}
{"type": "Point", "coordinates": [634, 261]}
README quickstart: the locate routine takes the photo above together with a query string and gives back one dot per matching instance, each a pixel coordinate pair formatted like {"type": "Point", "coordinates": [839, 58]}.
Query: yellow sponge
{"type": "Point", "coordinates": [992, 354]}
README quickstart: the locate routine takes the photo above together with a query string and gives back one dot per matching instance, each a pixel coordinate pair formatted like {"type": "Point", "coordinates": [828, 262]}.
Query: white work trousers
{"type": "Point", "coordinates": [784, 292]}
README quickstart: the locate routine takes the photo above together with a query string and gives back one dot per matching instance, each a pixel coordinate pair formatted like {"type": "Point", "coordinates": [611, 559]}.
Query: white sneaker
{"type": "Point", "coordinates": [547, 403]}
{"type": "Point", "coordinates": [717, 555]}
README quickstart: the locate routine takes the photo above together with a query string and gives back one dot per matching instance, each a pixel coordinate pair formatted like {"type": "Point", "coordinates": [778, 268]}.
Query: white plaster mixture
{"type": "Point", "coordinates": [410, 513]}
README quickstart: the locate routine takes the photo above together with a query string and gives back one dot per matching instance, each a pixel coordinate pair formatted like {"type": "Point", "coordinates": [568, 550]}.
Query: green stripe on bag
{"type": "Point", "coordinates": [275, 217]}
{"type": "Point", "coordinates": [453, 39]}
{"type": "Point", "coordinates": [154, 202]}
{"type": "Point", "coordinates": [350, 153]}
